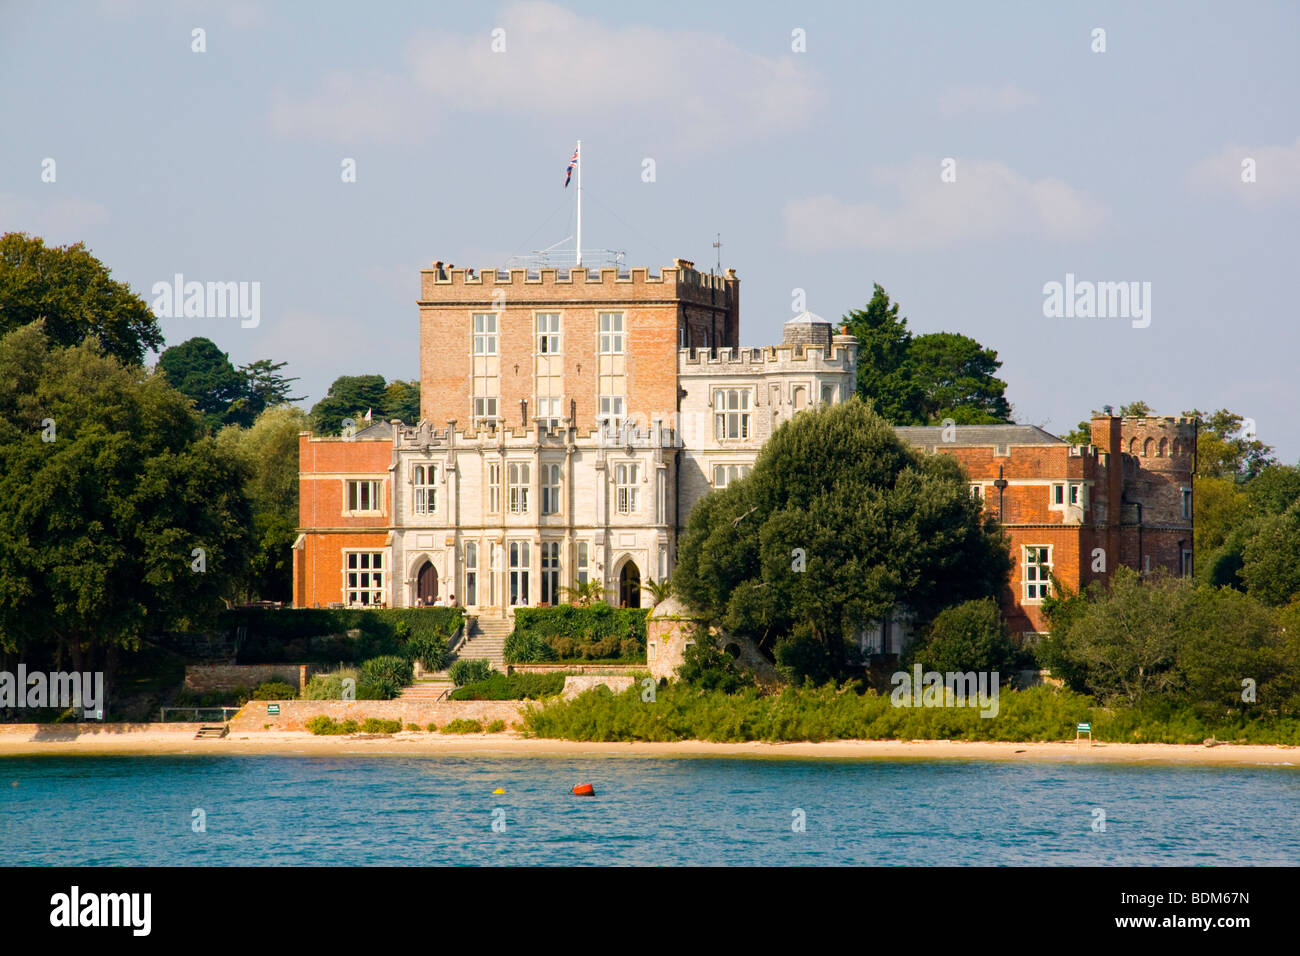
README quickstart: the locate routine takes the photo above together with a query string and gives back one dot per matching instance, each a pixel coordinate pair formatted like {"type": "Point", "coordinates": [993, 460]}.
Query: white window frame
{"type": "Point", "coordinates": [485, 326]}
{"type": "Point", "coordinates": [551, 573]}
{"type": "Point", "coordinates": [551, 483]}
{"type": "Point", "coordinates": [352, 501]}
{"type": "Point", "coordinates": [520, 563]}
{"type": "Point", "coordinates": [1188, 503]}
{"type": "Point", "coordinates": [365, 574]}
{"type": "Point", "coordinates": [494, 487]}
{"type": "Point", "coordinates": [613, 331]}
{"type": "Point", "coordinates": [1035, 575]}
{"type": "Point", "coordinates": [627, 496]}
{"type": "Point", "coordinates": [730, 471]}
{"type": "Point", "coordinates": [613, 409]}
{"type": "Point", "coordinates": [518, 483]}
{"type": "Point", "coordinates": [470, 591]}
{"type": "Point", "coordinates": [546, 326]}
{"type": "Point", "coordinates": [485, 408]}
{"type": "Point", "coordinates": [732, 414]}
{"type": "Point", "coordinates": [582, 562]}
{"type": "Point", "coordinates": [424, 488]}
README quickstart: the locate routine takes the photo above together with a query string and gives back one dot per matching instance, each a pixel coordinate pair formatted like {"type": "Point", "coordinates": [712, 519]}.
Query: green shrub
{"type": "Point", "coordinates": [376, 725]}
{"type": "Point", "coordinates": [528, 647]}
{"type": "Point", "coordinates": [387, 674]}
{"type": "Point", "coordinates": [275, 690]}
{"type": "Point", "coordinates": [469, 671]}
{"type": "Point", "coordinates": [707, 667]}
{"type": "Point", "coordinates": [321, 635]}
{"type": "Point", "coordinates": [430, 650]}
{"type": "Point", "coordinates": [498, 686]}
{"type": "Point", "coordinates": [803, 659]}
{"type": "Point", "coordinates": [967, 637]}
{"type": "Point", "coordinates": [412, 728]}
{"type": "Point", "coordinates": [330, 686]}
{"type": "Point", "coordinates": [463, 726]}
{"type": "Point", "coordinates": [496, 727]}
{"type": "Point", "coordinates": [593, 632]}
{"type": "Point", "coordinates": [432, 728]}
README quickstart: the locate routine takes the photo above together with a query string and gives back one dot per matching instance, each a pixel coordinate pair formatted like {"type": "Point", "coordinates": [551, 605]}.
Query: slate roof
{"type": "Point", "coordinates": [979, 435]}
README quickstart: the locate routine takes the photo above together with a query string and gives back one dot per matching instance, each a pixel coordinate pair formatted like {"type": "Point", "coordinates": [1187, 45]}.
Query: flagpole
{"type": "Point", "coordinates": [579, 262]}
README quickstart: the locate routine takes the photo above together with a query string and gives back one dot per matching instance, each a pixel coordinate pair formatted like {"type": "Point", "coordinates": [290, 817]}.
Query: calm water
{"type": "Point", "coordinates": [440, 810]}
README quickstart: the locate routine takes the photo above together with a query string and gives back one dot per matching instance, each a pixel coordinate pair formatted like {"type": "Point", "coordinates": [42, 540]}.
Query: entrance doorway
{"type": "Point", "coordinates": [629, 586]}
{"type": "Point", "coordinates": [426, 585]}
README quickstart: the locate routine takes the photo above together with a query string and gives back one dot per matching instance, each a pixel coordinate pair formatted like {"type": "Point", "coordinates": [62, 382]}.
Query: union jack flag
{"type": "Point", "coordinates": [568, 173]}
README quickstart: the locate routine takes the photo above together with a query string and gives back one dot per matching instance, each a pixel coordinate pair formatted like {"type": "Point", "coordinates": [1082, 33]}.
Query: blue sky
{"type": "Point", "coordinates": [820, 169]}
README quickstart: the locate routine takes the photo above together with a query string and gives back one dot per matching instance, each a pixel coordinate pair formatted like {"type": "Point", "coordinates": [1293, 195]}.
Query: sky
{"type": "Point", "coordinates": [964, 156]}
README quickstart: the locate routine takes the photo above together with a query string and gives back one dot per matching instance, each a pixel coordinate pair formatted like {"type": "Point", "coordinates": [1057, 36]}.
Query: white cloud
{"type": "Point", "coordinates": [984, 99]}
{"type": "Point", "coordinates": [59, 220]}
{"type": "Point", "coordinates": [989, 200]}
{"type": "Point", "coordinates": [698, 88]}
{"type": "Point", "coordinates": [1276, 171]}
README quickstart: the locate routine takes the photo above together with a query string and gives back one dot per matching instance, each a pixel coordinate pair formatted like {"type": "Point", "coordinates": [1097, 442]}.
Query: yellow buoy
{"type": "Point", "coordinates": [499, 790]}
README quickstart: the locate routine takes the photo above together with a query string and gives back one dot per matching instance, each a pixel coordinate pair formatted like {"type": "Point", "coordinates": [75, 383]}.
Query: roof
{"type": "Point", "coordinates": [807, 318]}
{"type": "Point", "coordinates": [379, 430]}
{"type": "Point", "coordinates": [976, 435]}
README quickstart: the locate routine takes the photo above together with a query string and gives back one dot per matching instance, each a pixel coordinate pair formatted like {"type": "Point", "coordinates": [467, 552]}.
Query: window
{"type": "Point", "coordinates": [584, 559]}
{"type": "Point", "coordinates": [828, 394]}
{"type": "Point", "coordinates": [1058, 494]}
{"type": "Point", "coordinates": [1076, 493]}
{"type": "Point", "coordinates": [625, 478]}
{"type": "Point", "coordinates": [611, 333]}
{"type": "Point", "coordinates": [365, 578]}
{"type": "Point", "coordinates": [518, 487]}
{"type": "Point", "coordinates": [548, 412]}
{"type": "Point", "coordinates": [424, 478]}
{"type": "Point", "coordinates": [799, 398]}
{"type": "Point", "coordinates": [520, 559]}
{"type": "Point", "coordinates": [550, 572]}
{"type": "Point", "coordinates": [471, 573]}
{"type": "Point", "coordinates": [724, 475]}
{"type": "Point", "coordinates": [611, 409]}
{"type": "Point", "coordinates": [977, 492]}
{"type": "Point", "coordinates": [730, 413]}
{"type": "Point", "coordinates": [1037, 572]}
{"type": "Point", "coordinates": [485, 408]}
{"type": "Point", "coordinates": [548, 333]}
{"type": "Point", "coordinates": [550, 489]}
{"type": "Point", "coordinates": [363, 496]}
{"type": "Point", "coordinates": [1187, 503]}
{"type": "Point", "coordinates": [1187, 563]}
{"type": "Point", "coordinates": [485, 333]}
{"type": "Point", "coordinates": [494, 487]}
{"type": "Point", "coordinates": [652, 652]}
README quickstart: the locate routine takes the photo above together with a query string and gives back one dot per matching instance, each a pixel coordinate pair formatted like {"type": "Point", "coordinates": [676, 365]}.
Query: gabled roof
{"type": "Point", "coordinates": [978, 435]}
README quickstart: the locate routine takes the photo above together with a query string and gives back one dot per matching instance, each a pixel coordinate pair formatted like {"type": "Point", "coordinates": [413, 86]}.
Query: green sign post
{"type": "Point", "coordinates": [272, 709]}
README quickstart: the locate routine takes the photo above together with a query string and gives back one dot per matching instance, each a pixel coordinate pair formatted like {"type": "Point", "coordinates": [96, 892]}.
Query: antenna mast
{"type": "Point", "coordinates": [579, 233]}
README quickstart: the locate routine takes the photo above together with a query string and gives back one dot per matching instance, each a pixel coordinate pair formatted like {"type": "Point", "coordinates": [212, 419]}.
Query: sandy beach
{"type": "Point", "coordinates": [149, 742]}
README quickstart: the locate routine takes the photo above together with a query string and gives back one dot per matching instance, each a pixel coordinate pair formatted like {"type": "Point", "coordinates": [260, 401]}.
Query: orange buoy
{"type": "Point", "coordinates": [584, 790]}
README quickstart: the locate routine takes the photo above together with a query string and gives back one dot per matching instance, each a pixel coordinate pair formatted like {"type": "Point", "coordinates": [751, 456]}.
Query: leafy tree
{"type": "Point", "coordinates": [1274, 490]}
{"type": "Point", "coordinates": [838, 524]}
{"type": "Point", "coordinates": [202, 371]}
{"type": "Point", "coordinates": [1227, 637]}
{"type": "Point", "coordinates": [1226, 449]}
{"type": "Point", "coordinates": [968, 637]}
{"type": "Point", "coordinates": [402, 400]}
{"type": "Point", "coordinates": [119, 517]}
{"type": "Point", "coordinates": [957, 380]}
{"type": "Point", "coordinates": [76, 297]}
{"type": "Point", "coordinates": [1271, 559]}
{"type": "Point", "coordinates": [1135, 410]}
{"type": "Point", "coordinates": [265, 387]}
{"type": "Point", "coordinates": [927, 378]}
{"type": "Point", "coordinates": [1081, 434]}
{"type": "Point", "coordinates": [1221, 507]}
{"type": "Point", "coordinates": [706, 666]}
{"type": "Point", "coordinates": [351, 396]}
{"type": "Point", "coordinates": [268, 453]}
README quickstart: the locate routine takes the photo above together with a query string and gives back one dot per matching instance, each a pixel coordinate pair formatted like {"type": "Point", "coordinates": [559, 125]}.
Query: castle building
{"type": "Point", "coordinates": [573, 417]}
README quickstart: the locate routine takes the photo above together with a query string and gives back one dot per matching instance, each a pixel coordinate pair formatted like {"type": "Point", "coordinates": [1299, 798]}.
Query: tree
{"type": "Point", "coordinates": [1221, 507]}
{"type": "Point", "coordinates": [839, 524]}
{"type": "Point", "coordinates": [268, 453]}
{"type": "Point", "coordinates": [968, 637]}
{"type": "Point", "coordinates": [265, 387]}
{"type": "Point", "coordinates": [351, 396]}
{"type": "Point", "coordinates": [1226, 448]}
{"type": "Point", "coordinates": [1081, 434]}
{"type": "Point", "coordinates": [924, 379]}
{"type": "Point", "coordinates": [1135, 410]}
{"type": "Point", "coordinates": [75, 296]}
{"type": "Point", "coordinates": [119, 516]}
{"type": "Point", "coordinates": [202, 371]}
{"type": "Point", "coordinates": [402, 400]}
{"type": "Point", "coordinates": [957, 380]}
{"type": "Point", "coordinates": [1271, 559]}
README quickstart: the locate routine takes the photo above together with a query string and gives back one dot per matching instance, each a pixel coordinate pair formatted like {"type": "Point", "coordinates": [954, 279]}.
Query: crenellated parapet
{"type": "Point", "coordinates": [449, 285]}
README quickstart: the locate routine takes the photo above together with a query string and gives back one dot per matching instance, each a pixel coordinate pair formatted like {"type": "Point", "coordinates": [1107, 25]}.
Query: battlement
{"type": "Point", "coordinates": [770, 358]}
{"type": "Point", "coordinates": [442, 283]}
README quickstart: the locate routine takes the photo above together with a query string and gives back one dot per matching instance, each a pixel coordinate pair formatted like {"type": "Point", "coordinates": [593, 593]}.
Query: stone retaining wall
{"type": "Point", "coordinates": [573, 686]}
{"type": "Point", "coordinates": [207, 678]}
{"type": "Point", "coordinates": [71, 731]}
{"type": "Point", "coordinates": [575, 667]}
{"type": "Point", "coordinates": [294, 714]}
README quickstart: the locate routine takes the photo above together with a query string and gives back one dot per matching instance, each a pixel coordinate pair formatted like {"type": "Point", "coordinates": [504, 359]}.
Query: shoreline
{"type": "Point", "coordinates": [290, 743]}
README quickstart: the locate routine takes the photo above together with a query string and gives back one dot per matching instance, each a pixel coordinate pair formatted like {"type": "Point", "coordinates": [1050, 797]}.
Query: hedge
{"type": "Point", "coordinates": [594, 632]}
{"type": "Point", "coordinates": [513, 687]}
{"type": "Point", "coordinates": [319, 635]}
